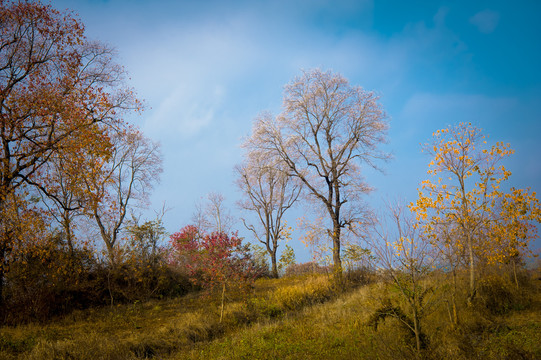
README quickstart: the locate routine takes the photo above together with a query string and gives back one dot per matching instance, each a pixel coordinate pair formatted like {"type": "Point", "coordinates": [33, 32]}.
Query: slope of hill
{"type": "Point", "coordinates": [291, 318]}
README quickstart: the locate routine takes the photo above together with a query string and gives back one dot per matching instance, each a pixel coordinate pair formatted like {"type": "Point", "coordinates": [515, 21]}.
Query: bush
{"type": "Point", "coordinates": [307, 268]}
{"type": "Point", "coordinates": [47, 282]}
{"type": "Point", "coordinates": [498, 295]}
{"type": "Point", "coordinates": [52, 281]}
{"type": "Point", "coordinates": [135, 282]}
{"type": "Point", "coordinates": [360, 276]}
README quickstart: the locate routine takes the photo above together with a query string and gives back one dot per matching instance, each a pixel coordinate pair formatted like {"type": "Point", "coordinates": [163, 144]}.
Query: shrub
{"type": "Point", "coordinates": [360, 276]}
{"type": "Point", "coordinates": [52, 281]}
{"type": "Point", "coordinates": [215, 261]}
{"type": "Point", "coordinates": [307, 268]}
{"type": "Point", "coordinates": [130, 282]}
{"type": "Point", "coordinates": [498, 295]}
{"type": "Point", "coordinates": [47, 282]}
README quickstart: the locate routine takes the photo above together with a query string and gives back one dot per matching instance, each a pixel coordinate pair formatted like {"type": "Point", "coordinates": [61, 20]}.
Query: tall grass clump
{"type": "Point", "coordinates": [315, 289]}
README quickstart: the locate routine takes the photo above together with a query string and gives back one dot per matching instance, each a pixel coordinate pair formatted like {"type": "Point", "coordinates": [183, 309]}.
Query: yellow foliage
{"type": "Point", "coordinates": [493, 224]}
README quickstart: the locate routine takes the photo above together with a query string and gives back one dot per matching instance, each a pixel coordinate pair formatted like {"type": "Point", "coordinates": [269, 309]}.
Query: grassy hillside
{"type": "Point", "coordinates": [291, 318]}
{"type": "Point", "coordinates": [342, 329]}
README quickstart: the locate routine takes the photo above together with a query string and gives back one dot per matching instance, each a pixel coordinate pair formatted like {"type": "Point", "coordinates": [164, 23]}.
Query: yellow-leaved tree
{"type": "Point", "coordinates": [463, 206]}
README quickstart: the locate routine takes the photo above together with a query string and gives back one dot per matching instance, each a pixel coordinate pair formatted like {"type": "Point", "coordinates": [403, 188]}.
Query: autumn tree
{"type": "Point", "coordinates": [465, 196]}
{"type": "Point", "coordinates": [357, 257]}
{"type": "Point", "coordinates": [215, 260]}
{"type": "Point", "coordinates": [287, 258]}
{"type": "Point", "coordinates": [62, 181]}
{"type": "Point", "coordinates": [144, 271]}
{"type": "Point", "coordinates": [514, 226]}
{"type": "Point", "coordinates": [260, 259]}
{"type": "Point", "coordinates": [179, 257]}
{"type": "Point", "coordinates": [327, 129]}
{"type": "Point", "coordinates": [22, 227]}
{"type": "Point", "coordinates": [64, 203]}
{"type": "Point", "coordinates": [55, 86]}
{"type": "Point", "coordinates": [127, 178]}
{"type": "Point", "coordinates": [145, 238]}
{"type": "Point", "coordinates": [268, 192]}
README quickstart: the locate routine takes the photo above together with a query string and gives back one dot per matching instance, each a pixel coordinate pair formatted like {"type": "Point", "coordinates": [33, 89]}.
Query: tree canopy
{"type": "Point", "coordinates": [327, 129]}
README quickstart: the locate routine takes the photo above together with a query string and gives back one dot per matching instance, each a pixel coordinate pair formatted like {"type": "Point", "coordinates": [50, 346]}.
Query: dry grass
{"type": "Point", "coordinates": [339, 329]}
{"type": "Point", "coordinates": [156, 328]}
{"type": "Point", "coordinates": [291, 318]}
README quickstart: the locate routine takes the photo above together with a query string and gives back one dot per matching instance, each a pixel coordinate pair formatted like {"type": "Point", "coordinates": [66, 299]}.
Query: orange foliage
{"type": "Point", "coordinates": [465, 200]}
{"type": "Point", "coordinates": [59, 95]}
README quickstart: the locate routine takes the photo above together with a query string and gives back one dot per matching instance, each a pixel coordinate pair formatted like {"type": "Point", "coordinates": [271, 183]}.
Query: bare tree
{"type": "Point", "coordinates": [216, 211]}
{"type": "Point", "coordinates": [407, 259]}
{"type": "Point", "coordinates": [133, 168]}
{"type": "Point", "coordinates": [268, 192]}
{"type": "Point", "coordinates": [212, 215]}
{"type": "Point", "coordinates": [327, 129]}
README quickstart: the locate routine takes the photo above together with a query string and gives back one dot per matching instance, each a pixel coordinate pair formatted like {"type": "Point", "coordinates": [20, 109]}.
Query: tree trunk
{"type": "Point", "coordinates": [111, 254]}
{"type": "Point", "coordinates": [468, 236]}
{"type": "Point", "coordinates": [471, 295]}
{"type": "Point", "coordinates": [453, 301]}
{"type": "Point", "coordinates": [417, 331]}
{"type": "Point", "coordinates": [1, 294]}
{"type": "Point", "coordinates": [69, 241]}
{"type": "Point", "coordinates": [223, 303]}
{"type": "Point", "coordinates": [109, 238]}
{"type": "Point", "coordinates": [2, 273]}
{"type": "Point", "coordinates": [450, 313]}
{"type": "Point", "coordinates": [515, 272]}
{"type": "Point", "coordinates": [111, 297]}
{"type": "Point", "coordinates": [274, 265]}
{"type": "Point", "coordinates": [337, 262]}
{"type": "Point", "coordinates": [69, 235]}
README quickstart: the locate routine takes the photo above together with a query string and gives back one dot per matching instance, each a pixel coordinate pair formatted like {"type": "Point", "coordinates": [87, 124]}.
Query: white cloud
{"type": "Point", "coordinates": [185, 113]}
{"type": "Point", "coordinates": [441, 15]}
{"type": "Point", "coordinates": [486, 21]}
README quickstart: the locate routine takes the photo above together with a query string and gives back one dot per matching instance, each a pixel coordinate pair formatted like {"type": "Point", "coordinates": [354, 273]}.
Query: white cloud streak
{"type": "Point", "coordinates": [486, 21]}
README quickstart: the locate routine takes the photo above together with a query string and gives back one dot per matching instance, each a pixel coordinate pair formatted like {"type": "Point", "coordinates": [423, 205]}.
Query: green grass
{"type": "Point", "coordinates": [291, 318]}
{"type": "Point", "coordinates": [324, 331]}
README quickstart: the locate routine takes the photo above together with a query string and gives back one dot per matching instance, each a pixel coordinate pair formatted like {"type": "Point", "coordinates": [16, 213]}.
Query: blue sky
{"type": "Point", "coordinates": [205, 69]}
